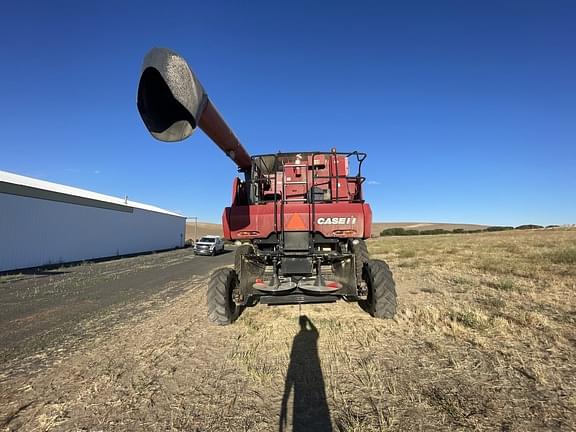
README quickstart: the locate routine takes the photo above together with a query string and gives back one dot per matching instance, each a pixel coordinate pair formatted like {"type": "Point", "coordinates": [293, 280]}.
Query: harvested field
{"type": "Point", "coordinates": [484, 340]}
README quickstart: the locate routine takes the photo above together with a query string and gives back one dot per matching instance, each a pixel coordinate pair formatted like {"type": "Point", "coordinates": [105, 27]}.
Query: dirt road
{"type": "Point", "coordinates": [46, 311]}
{"type": "Point", "coordinates": [484, 340]}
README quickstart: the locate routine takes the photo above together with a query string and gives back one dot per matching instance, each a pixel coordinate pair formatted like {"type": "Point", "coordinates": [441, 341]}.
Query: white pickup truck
{"type": "Point", "coordinates": [209, 245]}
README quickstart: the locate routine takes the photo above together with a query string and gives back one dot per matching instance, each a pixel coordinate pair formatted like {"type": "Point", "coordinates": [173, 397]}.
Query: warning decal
{"type": "Point", "coordinates": [296, 222]}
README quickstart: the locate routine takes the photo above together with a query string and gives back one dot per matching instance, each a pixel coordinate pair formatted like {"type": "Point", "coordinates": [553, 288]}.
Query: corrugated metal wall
{"type": "Point", "coordinates": [36, 232]}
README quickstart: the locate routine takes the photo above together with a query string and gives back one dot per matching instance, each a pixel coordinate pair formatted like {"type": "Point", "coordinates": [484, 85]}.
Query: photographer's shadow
{"type": "Point", "coordinates": [304, 377]}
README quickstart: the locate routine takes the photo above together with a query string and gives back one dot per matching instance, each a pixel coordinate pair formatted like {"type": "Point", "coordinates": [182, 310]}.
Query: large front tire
{"type": "Point", "coordinates": [221, 308]}
{"type": "Point", "coordinates": [381, 289]}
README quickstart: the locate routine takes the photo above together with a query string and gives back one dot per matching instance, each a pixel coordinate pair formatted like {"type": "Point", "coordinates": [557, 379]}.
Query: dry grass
{"type": "Point", "coordinates": [484, 340]}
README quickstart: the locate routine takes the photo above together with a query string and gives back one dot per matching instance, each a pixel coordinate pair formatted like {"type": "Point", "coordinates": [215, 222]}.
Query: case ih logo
{"type": "Point", "coordinates": [336, 220]}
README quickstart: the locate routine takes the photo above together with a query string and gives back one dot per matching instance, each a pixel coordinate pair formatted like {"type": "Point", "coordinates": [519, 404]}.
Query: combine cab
{"type": "Point", "coordinates": [299, 219]}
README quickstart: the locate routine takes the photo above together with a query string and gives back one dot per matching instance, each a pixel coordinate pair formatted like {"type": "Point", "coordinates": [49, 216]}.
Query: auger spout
{"type": "Point", "coordinates": [173, 103]}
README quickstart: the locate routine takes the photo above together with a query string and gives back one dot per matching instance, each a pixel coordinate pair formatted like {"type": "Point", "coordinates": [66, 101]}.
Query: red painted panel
{"type": "Point", "coordinates": [331, 219]}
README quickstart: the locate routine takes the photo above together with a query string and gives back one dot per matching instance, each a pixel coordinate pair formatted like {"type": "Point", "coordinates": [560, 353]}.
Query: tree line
{"type": "Point", "coordinates": [436, 231]}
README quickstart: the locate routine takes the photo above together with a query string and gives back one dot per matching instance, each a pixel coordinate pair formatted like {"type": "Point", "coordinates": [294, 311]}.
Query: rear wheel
{"type": "Point", "coordinates": [221, 308]}
{"type": "Point", "coordinates": [381, 301]}
{"type": "Point", "coordinates": [240, 251]}
{"type": "Point", "coordinates": [361, 256]}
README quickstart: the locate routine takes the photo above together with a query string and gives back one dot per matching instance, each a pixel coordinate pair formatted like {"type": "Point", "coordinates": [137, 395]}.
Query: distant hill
{"type": "Point", "coordinates": [205, 228]}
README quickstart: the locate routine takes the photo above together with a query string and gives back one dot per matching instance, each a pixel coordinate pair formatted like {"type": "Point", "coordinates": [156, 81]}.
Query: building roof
{"type": "Point", "coordinates": [42, 185]}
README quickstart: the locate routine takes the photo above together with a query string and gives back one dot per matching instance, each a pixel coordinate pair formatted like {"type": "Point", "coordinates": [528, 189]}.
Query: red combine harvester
{"type": "Point", "coordinates": [300, 219]}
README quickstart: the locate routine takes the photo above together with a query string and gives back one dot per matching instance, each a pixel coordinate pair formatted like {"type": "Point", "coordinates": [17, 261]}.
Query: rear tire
{"type": "Point", "coordinates": [221, 308]}
{"type": "Point", "coordinates": [361, 256]}
{"type": "Point", "coordinates": [381, 301]}
{"type": "Point", "coordinates": [240, 251]}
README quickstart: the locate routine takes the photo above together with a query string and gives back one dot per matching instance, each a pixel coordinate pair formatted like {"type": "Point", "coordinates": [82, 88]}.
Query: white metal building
{"type": "Point", "coordinates": [43, 223]}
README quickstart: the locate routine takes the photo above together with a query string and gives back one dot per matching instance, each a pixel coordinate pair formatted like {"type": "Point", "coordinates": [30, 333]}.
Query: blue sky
{"type": "Point", "coordinates": [467, 110]}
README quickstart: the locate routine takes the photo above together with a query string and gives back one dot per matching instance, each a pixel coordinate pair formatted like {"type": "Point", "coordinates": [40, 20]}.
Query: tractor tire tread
{"type": "Point", "coordinates": [241, 250]}
{"type": "Point", "coordinates": [221, 309]}
{"type": "Point", "coordinates": [361, 257]}
{"type": "Point", "coordinates": [383, 302]}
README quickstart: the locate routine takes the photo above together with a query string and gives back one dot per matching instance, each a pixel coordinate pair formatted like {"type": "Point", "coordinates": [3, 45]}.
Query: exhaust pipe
{"type": "Point", "coordinates": [173, 103]}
